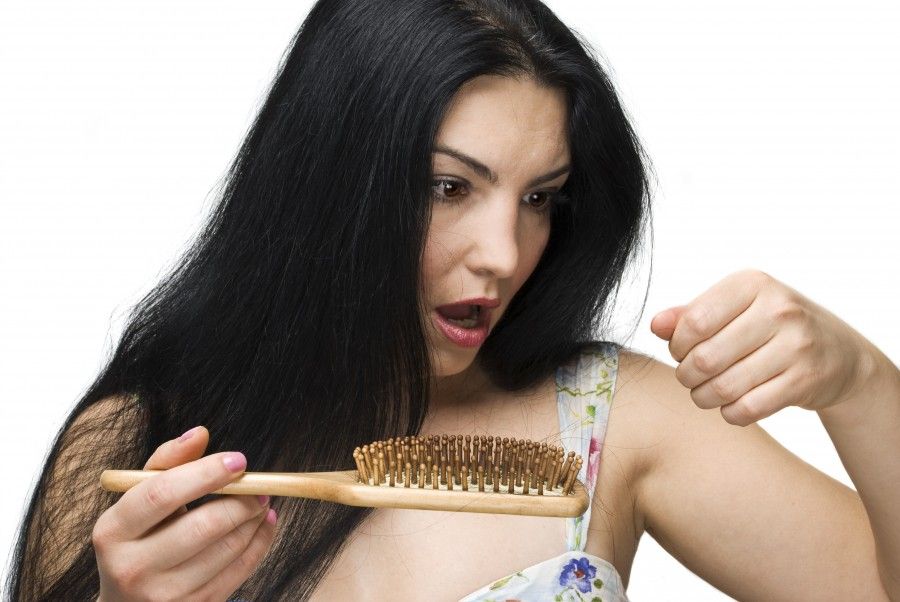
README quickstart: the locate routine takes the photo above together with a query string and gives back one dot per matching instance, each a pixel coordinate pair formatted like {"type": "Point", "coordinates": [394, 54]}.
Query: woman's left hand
{"type": "Point", "coordinates": [751, 346]}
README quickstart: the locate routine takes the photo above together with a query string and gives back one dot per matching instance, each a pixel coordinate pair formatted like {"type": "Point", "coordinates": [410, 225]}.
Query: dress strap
{"type": "Point", "coordinates": [584, 390]}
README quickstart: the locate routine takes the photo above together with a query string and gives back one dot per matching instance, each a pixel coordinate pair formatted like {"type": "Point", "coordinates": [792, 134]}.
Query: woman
{"type": "Point", "coordinates": [305, 321]}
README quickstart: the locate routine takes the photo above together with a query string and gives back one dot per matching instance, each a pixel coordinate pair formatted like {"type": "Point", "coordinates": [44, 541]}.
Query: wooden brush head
{"type": "Point", "coordinates": [468, 463]}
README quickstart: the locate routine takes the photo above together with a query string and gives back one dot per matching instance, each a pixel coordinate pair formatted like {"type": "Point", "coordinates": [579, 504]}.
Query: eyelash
{"type": "Point", "coordinates": [557, 197]}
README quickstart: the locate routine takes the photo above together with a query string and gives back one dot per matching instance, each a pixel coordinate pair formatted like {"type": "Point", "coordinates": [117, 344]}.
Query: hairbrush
{"type": "Point", "coordinates": [467, 474]}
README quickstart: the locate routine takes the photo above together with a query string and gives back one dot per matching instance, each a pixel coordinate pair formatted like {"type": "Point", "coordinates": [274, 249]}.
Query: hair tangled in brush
{"type": "Point", "coordinates": [277, 319]}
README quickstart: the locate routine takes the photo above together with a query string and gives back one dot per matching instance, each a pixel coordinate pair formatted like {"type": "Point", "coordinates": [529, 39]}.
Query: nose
{"type": "Point", "coordinates": [495, 239]}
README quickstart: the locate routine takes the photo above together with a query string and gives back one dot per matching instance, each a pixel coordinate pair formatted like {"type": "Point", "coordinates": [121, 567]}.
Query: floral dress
{"type": "Point", "coordinates": [584, 389]}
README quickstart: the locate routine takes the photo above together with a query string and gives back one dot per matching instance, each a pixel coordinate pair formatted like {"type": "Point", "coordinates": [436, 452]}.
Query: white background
{"type": "Point", "coordinates": [773, 126]}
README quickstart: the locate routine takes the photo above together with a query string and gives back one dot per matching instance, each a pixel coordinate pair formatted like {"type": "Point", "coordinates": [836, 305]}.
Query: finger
{"type": "Point", "coordinates": [239, 570]}
{"type": "Point", "coordinates": [190, 446]}
{"type": "Point", "coordinates": [748, 373]}
{"type": "Point", "coordinates": [663, 323]}
{"type": "Point", "coordinates": [711, 311]}
{"type": "Point", "coordinates": [146, 504]}
{"type": "Point", "coordinates": [738, 339]}
{"type": "Point", "coordinates": [220, 554]}
{"type": "Point", "coordinates": [761, 402]}
{"type": "Point", "coordinates": [178, 540]}
{"type": "Point", "coordinates": [186, 448]}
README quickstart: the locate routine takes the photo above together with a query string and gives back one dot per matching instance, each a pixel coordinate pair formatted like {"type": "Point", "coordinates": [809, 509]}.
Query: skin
{"type": "Point", "coordinates": [485, 238]}
{"type": "Point", "coordinates": [747, 348]}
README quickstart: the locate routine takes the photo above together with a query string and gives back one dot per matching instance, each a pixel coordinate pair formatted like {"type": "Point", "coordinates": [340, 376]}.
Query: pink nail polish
{"type": "Point", "coordinates": [271, 517]}
{"type": "Point", "coordinates": [235, 461]}
{"type": "Point", "coordinates": [187, 435]}
{"type": "Point", "coordinates": [263, 499]}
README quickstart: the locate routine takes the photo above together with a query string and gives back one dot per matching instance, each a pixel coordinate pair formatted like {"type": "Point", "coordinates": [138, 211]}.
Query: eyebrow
{"type": "Point", "coordinates": [486, 173]}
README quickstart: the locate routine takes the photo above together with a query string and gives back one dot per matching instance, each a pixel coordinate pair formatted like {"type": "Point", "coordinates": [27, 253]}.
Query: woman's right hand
{"type": "Point", "coordinates": [150, 547]}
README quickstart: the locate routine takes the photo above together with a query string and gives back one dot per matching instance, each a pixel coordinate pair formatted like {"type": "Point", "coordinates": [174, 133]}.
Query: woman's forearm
{"type": "Point", "coordinates": [865, 430]}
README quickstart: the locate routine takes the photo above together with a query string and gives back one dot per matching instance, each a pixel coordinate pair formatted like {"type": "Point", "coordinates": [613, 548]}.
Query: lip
{"type": "Point", "coordinates": [465, 337]}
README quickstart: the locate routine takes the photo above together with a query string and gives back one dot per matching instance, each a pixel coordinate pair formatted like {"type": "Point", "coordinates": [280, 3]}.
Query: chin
{"type": "Point", "coordinates": [450, 364]}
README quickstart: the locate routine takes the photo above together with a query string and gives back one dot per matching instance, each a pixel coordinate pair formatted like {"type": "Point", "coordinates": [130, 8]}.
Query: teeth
{"type": "Point", "coordinates": [467, 323]}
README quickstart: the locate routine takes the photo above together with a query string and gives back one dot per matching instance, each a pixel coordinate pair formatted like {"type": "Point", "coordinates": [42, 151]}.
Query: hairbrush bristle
{"type": "Point", "coordinates": [478, 463]}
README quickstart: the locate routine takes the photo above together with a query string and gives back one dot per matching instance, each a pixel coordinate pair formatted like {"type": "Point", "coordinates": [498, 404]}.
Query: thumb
{"type": "Point", "coordinates": [663, 323]}
{"type": "Point", "coordinates": [175, 452]}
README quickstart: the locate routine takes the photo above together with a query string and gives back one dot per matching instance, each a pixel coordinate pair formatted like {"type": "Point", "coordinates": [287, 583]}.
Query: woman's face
{"type": "Point", "coordinates": [490, 221]}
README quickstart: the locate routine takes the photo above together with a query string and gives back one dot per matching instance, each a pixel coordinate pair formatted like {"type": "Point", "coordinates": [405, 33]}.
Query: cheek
{"type": "Point", "coordinates": [437, 257]}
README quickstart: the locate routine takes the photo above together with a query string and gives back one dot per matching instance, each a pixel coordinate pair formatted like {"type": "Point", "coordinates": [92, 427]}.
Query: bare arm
{"type": "Point", "coordinates": [741, 511]}
{"type": "Point", "coordinates": [865, 430]}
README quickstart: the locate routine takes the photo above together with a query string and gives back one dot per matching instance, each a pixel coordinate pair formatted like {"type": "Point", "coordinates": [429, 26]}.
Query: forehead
{"type": "Point", "coordinates": [509, 124]}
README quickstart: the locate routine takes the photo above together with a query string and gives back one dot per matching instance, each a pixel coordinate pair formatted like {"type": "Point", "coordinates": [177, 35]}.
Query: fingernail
{"type": "Point", "coordinates": [235, 461]}
{"type": "Point", "coordinates": [263, 499]}
{"type": "Point", "coordinates": [187, 435]}
{"type": "Point", "coordinates": [271, 517]}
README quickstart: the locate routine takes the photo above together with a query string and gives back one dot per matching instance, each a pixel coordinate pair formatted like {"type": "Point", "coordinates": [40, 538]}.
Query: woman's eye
{"type": "Point", "coordinates": [543, 202]}
{"type": "Point", "coordinates": [447, 188]}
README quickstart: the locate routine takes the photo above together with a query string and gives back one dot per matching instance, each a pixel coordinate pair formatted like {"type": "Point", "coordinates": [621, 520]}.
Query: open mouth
{"type": "Point", "coordinates": [464, 316]}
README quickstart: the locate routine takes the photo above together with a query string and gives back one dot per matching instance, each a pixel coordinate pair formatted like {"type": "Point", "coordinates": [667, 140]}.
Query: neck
{"type": "Point", "coordinates": [458, 389]}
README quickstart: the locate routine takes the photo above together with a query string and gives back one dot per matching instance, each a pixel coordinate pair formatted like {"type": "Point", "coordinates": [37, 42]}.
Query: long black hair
{"type": "Point", "coordinates": [291, 328]}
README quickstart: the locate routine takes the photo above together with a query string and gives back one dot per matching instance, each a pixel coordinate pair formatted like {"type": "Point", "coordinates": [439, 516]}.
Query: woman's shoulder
{"type": "Point", "coordinates": [637, 421]}
{"type": "Point", "coordinates": [641, 381]}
